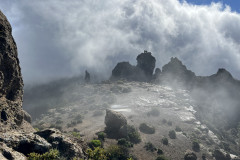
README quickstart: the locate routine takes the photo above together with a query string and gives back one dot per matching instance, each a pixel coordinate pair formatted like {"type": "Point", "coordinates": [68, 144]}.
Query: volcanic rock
{"type": "Point", "coordinates": [146, 62]}
{"type": "Point", "coordinates": [67, 147]}
{"type": "Point", "coordinates": [114, 121]}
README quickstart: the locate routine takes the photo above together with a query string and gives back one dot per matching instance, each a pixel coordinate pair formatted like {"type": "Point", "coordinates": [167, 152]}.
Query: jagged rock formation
{"type": "Point", "coordinates": [146, 62]}
{"type": "Point", "coordinates": [11, 83]}
{"type": "Point", "coordinates": [142, 72]}
{"type": "Point", "coordinates": [17, 137]}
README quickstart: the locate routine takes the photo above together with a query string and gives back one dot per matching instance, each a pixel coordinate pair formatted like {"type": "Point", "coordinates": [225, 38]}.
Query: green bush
{"type": "Point", "coordinates": [165, 141]}
{"type": "Point", "coordinates": [159, 151]}
{"type": "Point", "coordinates": [95, 143]}
{"type": "Point", "coordinates": [76, 134]}
{"type": "Point", "coordinates": [178, 129]}
{"type": "Point", "coordinates": [172, 134]}
{"type": "Point", "coordinates": [125, 143]}
{"type": "Point", "coordinates": [195, 146]}
{"type": "Point", "coordinates": [147, 129]}
{"type": "Point", "coordinates": [101, 136]}
{"type": "Point", "coordinates": [53, 154]}
{"type": "Point", "coordinates": [117, 152]}
{"type": "Point", "coordinates": [97, 154]}
{"type": "Point", "coordinates": [161, 158]}
{"type": "Point", "coordinates": [150, 147]}
{"type": "Point", "coordinates": [133, 135]}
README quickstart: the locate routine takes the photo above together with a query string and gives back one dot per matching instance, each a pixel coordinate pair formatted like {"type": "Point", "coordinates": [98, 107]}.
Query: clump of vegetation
{"type": "Point", "coordinates": [95, 143]}
{"type": "Point", "coordinates": [146, 128]}
{"type": "Point", "coordinates": [112, 152]}
{"type": "Point", "coordinates": [195, 146]}
{"type": "Point", "coordinates": [101, 136]}
{"type": "Point", "coordinates": [150, 147]}
{"type": "Point", "coordinates": [154, 112]}
{"type": "Point", "coordinates": [178, 129]}
{"type": "Point", "coordinates": [76, 134]}
{"type": "Point", "coordinates": [97, 113]}
{"type": "Point", "coordinates": [165, 141]}
{"type": "Point", "coordinates": [53, 154]}
{"type": "Point", "coordinates": [97, 154]}
{"type": "Point", "coordinates": [162, 157]}
{"type": "Point", "coordinates": [133, 135]}
{"type": "Point", "coordinates": [117, 152]}
{"type": "Point", "coordinates": [125, 143]}
{"type": "Point", "coordinates": [164, 121]}
{"type": "Point", "coordinates": [159, 151]}
{"type": "Point", "coordinates": [172, 134]}
{"type": "Point", "coordinates": [169, 123]}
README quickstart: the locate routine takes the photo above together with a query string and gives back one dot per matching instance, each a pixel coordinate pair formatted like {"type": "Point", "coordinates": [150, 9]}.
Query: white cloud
{"type": "Point", "coordinates": [58, 38]}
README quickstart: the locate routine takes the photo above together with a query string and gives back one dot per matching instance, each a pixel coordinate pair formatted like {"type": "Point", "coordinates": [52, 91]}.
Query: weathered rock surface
{"type": "Point", "coordinates": [146, 62]}
{"type": "Point", "coordinates": [67, 146]}
{"type": "Point", "coordinates": [142, 72]}
{"type": "Point", "coordinates": [7, 153]}
{"type": "Point", "coordinates": [25, 143]}
{"type": "Point", "coordinates": [114, 121]}
{"type": "Point", "coordinates": [11, 83]}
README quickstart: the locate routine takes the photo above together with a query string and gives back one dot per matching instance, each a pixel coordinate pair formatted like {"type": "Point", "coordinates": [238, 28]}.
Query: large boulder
{"type": "Point", "coordinates": [114, 121]}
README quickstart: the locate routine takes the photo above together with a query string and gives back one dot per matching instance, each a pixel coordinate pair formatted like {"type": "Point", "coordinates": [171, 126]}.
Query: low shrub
{"type": "Point", "coordinates": [195, 146]}
{"type": "Point", "coordinates": [117, 152]}
{"type": "Point", "coordinates": [147, 129]}
{"type": "Point", "coordinates": [101, 136]}
{"type": "Point", "coordinates": [161, 158]}
{"type": "Point", "coordinates": [159, 151]}
{"type": "Point", "coordinates": [97, 154]}
{"type": "Point", "coordinates": [165, 141]}
{"type": "Point", "coordinates": [133, 135]}
{"type": "Point", "coordinates": [76, 134]}
{"type": "Point", "coordinates": [95, 143]}
{"type": "Point", "coordinates": [172, 134]}
{"type": "Point", "coordinates": [125, 143]}
{"type": "Point", "coordinates": [53, 154]}
{"type": "Point", "coordinates": [150, 147]}
{"type": "Point", "coordinates": [178, 129]}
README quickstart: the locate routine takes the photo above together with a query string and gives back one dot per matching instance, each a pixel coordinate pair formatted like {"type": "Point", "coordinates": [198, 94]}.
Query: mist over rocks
{"type": "Point", "coordinates": [142, 72]}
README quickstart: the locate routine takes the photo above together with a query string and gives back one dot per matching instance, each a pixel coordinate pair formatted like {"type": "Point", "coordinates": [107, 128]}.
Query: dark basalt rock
{"type": "Point", "coordinates": [146, 62]}
{"type": "Point", "coordinates": [142, 72]}
{"type": "Point", "coordinates": [176, 72]}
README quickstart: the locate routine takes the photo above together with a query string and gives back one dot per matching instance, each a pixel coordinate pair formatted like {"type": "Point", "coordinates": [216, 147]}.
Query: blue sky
{"type": "Point", "coordinates": [234, 4]}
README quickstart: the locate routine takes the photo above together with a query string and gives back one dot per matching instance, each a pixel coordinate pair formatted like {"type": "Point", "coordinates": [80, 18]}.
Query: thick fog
{"type": "Point", "coordinates": [63, 38]}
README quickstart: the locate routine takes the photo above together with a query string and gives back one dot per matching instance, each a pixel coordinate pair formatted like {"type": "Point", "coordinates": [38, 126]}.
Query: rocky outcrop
{"type": "Point", "coordinates": [68, 147]}
{"type": "Point", "coordinates": [7, 153]}
{"type": "Point", "coordinates": [142, 72]}
{"type": "Point", "coordinates": [11, 83]}
{"type": "Point", "coordinates": [146, 62]}
{"type": "Point", "coordinates": [175, 72]}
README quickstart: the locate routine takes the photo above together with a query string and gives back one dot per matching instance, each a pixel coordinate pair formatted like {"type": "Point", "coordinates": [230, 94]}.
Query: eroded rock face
{"type": "Point", "coordinates": [146, 62]}
{"type": "Point", "coordinates": [7, 153]}
{"type": "Point", "coordinates": [114, 121]}
{"type": "Point", "coordinates": [68, 147]}
{"type": "Point", "coordinates": [11, 83]}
